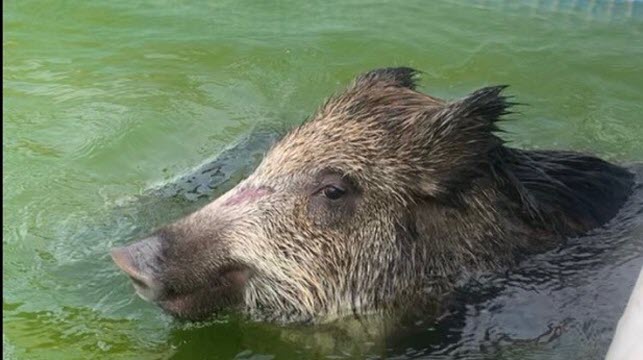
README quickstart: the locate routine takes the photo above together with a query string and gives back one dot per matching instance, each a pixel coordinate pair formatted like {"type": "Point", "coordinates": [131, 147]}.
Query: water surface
{"type": "Point", "coordinates": [108, 104]}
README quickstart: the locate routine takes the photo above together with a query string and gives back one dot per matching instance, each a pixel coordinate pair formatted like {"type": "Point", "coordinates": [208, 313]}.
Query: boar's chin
{"type": "Point", "coordinates": [209, 299]}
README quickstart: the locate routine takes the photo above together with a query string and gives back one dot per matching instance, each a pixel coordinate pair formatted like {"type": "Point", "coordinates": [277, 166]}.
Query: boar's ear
{"type": "Point", "coordinates": [459, 138]}
{"type": "Point", "coordinates": [405, 77]}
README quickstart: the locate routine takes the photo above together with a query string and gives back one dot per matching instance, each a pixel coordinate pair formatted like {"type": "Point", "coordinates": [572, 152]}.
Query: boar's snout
{"type": "Point", "coordinates": [189, 274]}
{"type": "Point", "coordinates": [141, 262]}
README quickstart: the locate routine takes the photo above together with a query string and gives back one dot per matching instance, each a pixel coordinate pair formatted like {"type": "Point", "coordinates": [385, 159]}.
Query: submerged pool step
{"type": "Point", "coordinates": [627, 343]}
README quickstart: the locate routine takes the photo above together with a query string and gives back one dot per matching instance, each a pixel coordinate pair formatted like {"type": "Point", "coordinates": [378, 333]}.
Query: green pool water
{"type": "Point", "coordinates": [103, 101]}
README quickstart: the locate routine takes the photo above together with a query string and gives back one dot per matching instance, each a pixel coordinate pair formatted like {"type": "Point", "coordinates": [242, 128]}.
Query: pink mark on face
{"type": "Point", "coordinates": [248, 194]}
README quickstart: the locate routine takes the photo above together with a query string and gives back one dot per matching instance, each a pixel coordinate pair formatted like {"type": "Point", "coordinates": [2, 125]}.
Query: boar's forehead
{"type": "Point", "coordinates": [316, 147]}
{"type": "Point", "coordinates": [361, 149]}
{"type": "Point", "coordinates": [360, 133]}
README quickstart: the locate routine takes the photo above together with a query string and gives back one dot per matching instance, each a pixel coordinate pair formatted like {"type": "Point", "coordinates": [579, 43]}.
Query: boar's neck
{"type": "Point", "coordinates": [562, 192]}
{"type": "Point", "coordinates": [528, 202]}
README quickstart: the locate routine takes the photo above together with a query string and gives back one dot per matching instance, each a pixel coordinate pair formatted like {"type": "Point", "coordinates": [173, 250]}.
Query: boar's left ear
{"type": "Point", "coordinates": [404, 77]}
{"type": "Point", "coordinates": [458, 140]}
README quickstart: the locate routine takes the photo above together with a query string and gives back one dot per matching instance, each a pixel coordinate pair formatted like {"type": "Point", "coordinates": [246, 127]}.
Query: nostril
{"type": "Point", "coordinates": [122, 259]}
{"type": "Point", "coordinates": [138, 282]}
{"type": "Point", "coordinates": [146, 286]}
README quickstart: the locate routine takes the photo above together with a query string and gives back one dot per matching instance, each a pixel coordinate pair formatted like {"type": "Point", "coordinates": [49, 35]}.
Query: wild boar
{"type": "Point", "coordinates": [377, 204]}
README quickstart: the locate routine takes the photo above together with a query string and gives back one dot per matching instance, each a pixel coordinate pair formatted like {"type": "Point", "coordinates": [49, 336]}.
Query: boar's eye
{"type": "Point", "coordinates": [333, 192]}
{"type": "Point", "coordinates": [333, 199]}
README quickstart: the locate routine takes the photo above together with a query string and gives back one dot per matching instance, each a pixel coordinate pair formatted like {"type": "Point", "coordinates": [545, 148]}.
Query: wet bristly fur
{"type": "Point", "coordinates": [431, 193]}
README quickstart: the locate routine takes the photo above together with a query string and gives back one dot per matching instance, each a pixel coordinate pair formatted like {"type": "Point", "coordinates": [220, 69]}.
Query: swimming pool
{"type": "Point", "coordinates": [107, 105]}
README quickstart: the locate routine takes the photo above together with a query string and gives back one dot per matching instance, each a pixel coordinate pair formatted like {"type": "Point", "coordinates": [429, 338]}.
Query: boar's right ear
{"type": "Point", "coordinates": [404, 77]}
{"type": "Point", "coordinates": [458, 140]}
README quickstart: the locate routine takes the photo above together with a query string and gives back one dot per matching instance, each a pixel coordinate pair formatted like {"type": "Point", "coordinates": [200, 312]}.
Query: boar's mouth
{"type": "Point", "coordinates": [207, 300]}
